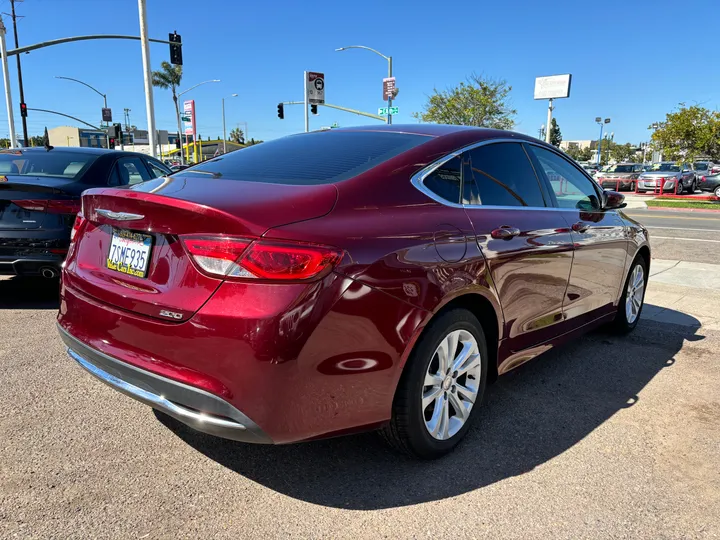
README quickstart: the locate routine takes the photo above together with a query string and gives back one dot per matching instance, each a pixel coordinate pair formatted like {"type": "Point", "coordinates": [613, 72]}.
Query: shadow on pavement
{"type": "Point", "coordinates": [29, 293]}
{"type": "Point", "coordinates": [529, 416]}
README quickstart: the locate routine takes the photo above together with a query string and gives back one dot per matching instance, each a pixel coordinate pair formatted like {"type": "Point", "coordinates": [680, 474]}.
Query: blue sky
{"type": "Point", "coordinates": [631, 60]}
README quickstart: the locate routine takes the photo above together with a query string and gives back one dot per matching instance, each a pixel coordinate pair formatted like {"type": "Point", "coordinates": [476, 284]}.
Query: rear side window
{"type": "Point", "coordinates": [310, 158]}
{"type": "Point", "coordinates": [128, 171]}
{"type": "Point", "coordinates": [500, 174]}
{"type": "Point", "coordinates": [445, 180]}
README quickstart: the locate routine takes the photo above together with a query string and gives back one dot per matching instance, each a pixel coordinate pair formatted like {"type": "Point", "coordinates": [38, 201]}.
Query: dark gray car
{"type": "Point", "coordinates": [620, 176]}
{"type": "Point", "coordinates": [678, 178]}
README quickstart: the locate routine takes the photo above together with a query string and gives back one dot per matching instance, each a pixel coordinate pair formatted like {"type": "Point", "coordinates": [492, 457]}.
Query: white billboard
{"type": "Point", "coordinates": [553, 87]}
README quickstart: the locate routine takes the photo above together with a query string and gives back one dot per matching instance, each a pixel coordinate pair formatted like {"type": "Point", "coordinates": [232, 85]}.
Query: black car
{"type": "Point", "coordinates": [710, 183]}
{"type": "Point", "coordinates": [40, 195]}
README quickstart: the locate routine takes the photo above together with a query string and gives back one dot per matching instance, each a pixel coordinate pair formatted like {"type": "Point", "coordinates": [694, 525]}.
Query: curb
{"type": "Point", "coordinates": [667, 209]}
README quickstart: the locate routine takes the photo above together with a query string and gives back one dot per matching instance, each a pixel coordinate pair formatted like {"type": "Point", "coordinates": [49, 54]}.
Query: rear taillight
{"type": "Point", "coordinates": [31, 205]}
{"type": "Point", "coordinates": [260, 259]}
{"type": "Point", "coordinates": [702, 179]}
{"type": "Point", "coordinates": [79, 220]}
{"type": "Point", "coordinates": [52, 206]}
{"type": "Point", "coordinates": [56, 206]}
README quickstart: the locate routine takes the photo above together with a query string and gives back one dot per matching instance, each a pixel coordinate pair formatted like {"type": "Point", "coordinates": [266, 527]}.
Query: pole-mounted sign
{"type": "Point", "coordinates": [552, 87]}
{"type": "Point", "coordinates": [315, 87]}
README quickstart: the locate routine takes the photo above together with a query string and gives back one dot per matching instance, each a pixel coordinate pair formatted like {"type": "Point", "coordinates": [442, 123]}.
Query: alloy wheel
{"type": "Point", "coordinates": [717, 191]}
{"type": "Point", "coordinates": [451, 384]}
{"type": "Point", "coordinates": [634, 294]}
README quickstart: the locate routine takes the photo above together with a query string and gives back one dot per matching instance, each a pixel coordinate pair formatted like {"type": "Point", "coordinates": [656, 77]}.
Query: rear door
{"type": "Point", "coordinates": [527, 244]}
{"type": "Point", "coordinates": [599, 237]}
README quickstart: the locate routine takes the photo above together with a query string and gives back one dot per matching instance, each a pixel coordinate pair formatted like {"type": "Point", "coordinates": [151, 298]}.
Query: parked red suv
{"type": "Point", "coordinates": [346, 280]}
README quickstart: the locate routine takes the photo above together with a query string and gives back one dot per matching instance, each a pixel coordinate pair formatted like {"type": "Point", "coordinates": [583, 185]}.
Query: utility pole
{"type": "Point", "coordinates": [6, 79]}
{"type": "Point", "coordinates": [20, 80]}
{"type": "Point", "coordinates": [149, 103]}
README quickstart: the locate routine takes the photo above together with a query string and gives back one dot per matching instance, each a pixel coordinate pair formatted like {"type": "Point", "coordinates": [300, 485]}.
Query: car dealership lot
{"type": "Point", "coordinates": [606, 437]}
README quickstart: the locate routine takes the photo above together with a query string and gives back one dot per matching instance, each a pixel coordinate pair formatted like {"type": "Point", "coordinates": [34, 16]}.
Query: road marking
{"type": "Point", "coordinates": [685, 239]}
{"type": "Point", "coordinates": [682, 228]}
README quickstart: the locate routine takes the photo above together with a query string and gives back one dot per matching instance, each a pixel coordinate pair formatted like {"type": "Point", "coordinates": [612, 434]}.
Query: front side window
{"type": "Point", "coordinates": [500, 174]}
{"type": "Point", "coordinates": [572, 188]}
{"type": "Point", "coordinates": [445, 180]}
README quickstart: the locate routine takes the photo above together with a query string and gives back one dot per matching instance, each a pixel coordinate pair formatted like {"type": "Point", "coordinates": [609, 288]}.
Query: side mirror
{"type": "Point", "coordinates": [612, 200]}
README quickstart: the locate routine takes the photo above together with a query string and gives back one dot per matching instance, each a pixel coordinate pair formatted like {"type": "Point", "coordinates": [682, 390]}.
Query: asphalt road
{"type": "Point", "coordinates": [688, 236]}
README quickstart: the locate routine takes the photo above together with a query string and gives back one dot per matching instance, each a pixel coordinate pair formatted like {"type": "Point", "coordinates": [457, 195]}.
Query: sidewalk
{"type": "Point", "coordinates": [683, 293]}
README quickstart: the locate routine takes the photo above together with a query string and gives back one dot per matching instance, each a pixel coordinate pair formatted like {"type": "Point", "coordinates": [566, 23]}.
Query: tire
{"type": "Point", "coordinates": [623, 322]}
{"type": "Point", "coordinates": [409, 430]}
{"type": "Point", "coordinates": [678, 187]}
{"type": "Point", "coordinates": [632, 186]}
{"type": "Point", "coordinates": [717, 191]}
{"type": "Point", "coordinates": [693, 188]}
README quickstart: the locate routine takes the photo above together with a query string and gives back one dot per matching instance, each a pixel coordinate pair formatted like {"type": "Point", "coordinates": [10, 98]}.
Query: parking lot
{"type": "Point", "coordinates": [606, 437]}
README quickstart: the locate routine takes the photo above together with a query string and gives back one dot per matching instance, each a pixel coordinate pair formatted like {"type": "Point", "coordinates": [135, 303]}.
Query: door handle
{"type": "Point", "coordinates": [579, 227]}
{"type": "Point", "coordinates": [505, 232]}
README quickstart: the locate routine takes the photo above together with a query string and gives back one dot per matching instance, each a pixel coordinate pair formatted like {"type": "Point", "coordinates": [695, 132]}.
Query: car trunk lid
{"type": "Point", "coordinates": [162, 210]}
{"type": "Point", "coordinates": [27, 203]}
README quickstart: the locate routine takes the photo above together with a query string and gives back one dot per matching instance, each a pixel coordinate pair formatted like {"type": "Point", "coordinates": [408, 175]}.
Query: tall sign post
{"type": "Point", "coordinates": [188, 118]}
{"type": "Point", "coordinates": [552, 87]}
{"type": "Point", "coordinates": [314, 93]}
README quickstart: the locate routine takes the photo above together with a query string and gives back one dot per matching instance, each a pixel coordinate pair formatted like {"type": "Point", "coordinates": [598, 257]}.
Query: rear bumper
{"type": "Point", "coordinates": [27, 253]}
{"type": "Point", "coordinates": [182, 402]}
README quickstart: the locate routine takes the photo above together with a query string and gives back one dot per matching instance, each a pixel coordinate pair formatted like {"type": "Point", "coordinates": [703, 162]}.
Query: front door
{"type": "Point", "coordinates": [527, 244]}
{"type": "Point", "coordinates": [599, 237]}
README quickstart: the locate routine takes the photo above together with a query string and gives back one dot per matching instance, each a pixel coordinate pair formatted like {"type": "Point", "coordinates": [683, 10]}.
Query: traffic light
{"type": "Point", "coordinates": [23, 110]}
{"type": "Point", "coordinates": [175, 48]}
{"type": "Point", "coordinates": [313, 109]}
{"type": "Point", "coordinates": [116, 131]}
{"type": "Point", "coordinates": [178, 142]}
{"type": "Point", "coordinates": [111, 143]}
{"type": "Point", "coordinates": [281, 111]}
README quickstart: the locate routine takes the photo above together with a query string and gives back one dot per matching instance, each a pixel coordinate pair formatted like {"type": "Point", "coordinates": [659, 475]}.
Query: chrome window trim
{"type": "Point", "coordinates": [417, 179]}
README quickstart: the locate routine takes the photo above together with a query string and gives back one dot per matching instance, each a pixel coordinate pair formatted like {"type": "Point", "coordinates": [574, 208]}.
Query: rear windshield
{"type": "Point", "coordinates": [701, 166]}
{"type": "Point", "coordinates": [56, 164]}
{"type": "Point", "coordinates": [309, 158]}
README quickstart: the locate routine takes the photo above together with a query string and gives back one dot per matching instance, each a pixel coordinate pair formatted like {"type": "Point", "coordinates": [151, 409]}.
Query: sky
{"type": "Point", "coordinates": [632, 61]}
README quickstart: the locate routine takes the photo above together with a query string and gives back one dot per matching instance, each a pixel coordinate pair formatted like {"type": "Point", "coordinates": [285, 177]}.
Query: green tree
{"type": "Point", "coordinates": [237, 135]}
{"type": "Point", "coordinates": [555, 135]}
{"type": "Point", "coordinates": [479, 101]}
{"type": "Point", "coordinates": [168, 77]}
{"type": "Point", "coordinates": [622, 152]}
{"type": "Point", "coordinates": [689, 133]}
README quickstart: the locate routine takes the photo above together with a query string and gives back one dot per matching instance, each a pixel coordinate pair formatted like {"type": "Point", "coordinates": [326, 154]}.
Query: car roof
{"type": "Point", "coordinates": [430, 130]}
{"type": "Point", "coordinates": [73, 149]}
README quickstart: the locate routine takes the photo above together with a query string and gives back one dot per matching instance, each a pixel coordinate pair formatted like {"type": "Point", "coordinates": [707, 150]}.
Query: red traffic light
{"type": "Point", "coordinates": [23, 110]}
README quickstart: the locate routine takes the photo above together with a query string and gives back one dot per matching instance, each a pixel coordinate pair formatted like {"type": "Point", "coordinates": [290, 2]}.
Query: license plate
{"type": "Point", "coordinates": [129, 253]}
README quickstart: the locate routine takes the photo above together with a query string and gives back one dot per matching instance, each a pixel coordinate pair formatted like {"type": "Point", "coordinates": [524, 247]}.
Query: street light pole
{"type": "Point", "coordinates": [224, 130]}
{"type": "Point", "coordinates": [104, 96]}
{"type": "Point", "coordinates": [389, 61]}
{"type": "Point", "coordinates": [6, 80]}
{"type": "Point", "coordinates": [147, 75]}
{"type": "Point", "coordinates": [602, 122]}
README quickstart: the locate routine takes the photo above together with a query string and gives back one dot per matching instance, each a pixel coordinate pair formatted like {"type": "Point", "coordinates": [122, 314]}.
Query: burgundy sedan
{"type": "Point", "coordinates": [346, 280]}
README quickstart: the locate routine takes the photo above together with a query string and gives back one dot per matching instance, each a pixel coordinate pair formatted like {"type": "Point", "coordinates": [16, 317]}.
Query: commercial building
{"type": "Point", "coordinates": [136, 140]}
{"type": "Point", "coordinates": [579, 145]}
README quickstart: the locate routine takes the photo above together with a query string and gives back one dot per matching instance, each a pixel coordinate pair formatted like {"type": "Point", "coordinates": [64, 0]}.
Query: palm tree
{"type": "Point", "coordinates": [237, 135]}
{"type": "Point", "coordinates": [169, 77]}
